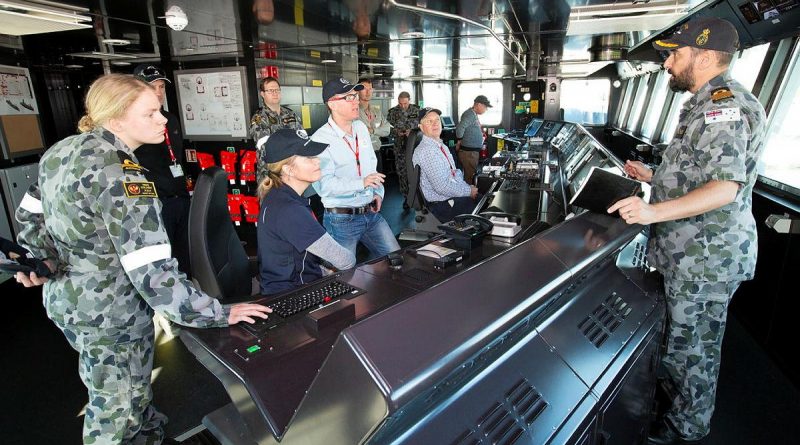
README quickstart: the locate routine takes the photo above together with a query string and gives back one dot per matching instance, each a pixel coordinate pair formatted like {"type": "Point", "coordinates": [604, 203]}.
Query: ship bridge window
{"type": "Point", "coordinates": [468, 91]}
{"type": "Point", "coordinates": [781, 158]}
{"type": "Point", "coordinates": [657, 104]}
{"type": "Point", "coordinates": [746, 66]}
{"type": "Point", "coordinates": [638, 103]}
{"type": "Point", "coordinates": [439, 95]}
{"type": "Point", "coordinates": [585, 100]}
{"type": "Point", "coordinates": [402, 85]}
{"type": "Point", "coordinates": [678, 99]}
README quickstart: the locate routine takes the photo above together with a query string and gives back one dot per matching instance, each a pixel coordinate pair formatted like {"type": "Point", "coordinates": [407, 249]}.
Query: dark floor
{"type": "Point", "coordinates": [756, 403]}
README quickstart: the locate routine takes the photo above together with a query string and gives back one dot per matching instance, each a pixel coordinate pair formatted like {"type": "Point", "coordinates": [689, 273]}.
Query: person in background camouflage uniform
{"type": "Point", "coordinates": [371, 116]}
{"type": "Point", "coordinates": [404, 118]}
{"type": "Point", "coordinates": [704, 239]}
{"type": "Point", "coordinates": [96, 219]}
{"type": "Point", "coordinates": [269, 118]}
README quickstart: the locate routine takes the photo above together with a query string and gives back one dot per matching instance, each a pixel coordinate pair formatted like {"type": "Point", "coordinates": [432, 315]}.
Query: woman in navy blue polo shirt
{"type": "Point", "coordinates": [291, 243]}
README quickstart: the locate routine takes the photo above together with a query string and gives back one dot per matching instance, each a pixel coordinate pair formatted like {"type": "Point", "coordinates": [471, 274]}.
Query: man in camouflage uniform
{"type": "Point", "coordinates": [704, 238]}
{"type": "Point", "coordinates": [269, 118]}
{"type": "Point", "coordinates": [404, 118]}
{"type": "Point", "coordinates": [96, 219]}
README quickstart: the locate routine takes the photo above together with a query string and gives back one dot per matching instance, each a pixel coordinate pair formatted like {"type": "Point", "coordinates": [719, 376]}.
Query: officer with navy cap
{"type": "Point", "coordinates": [163, 165]}
{"type": "Point", "coordinates": [703, 238]}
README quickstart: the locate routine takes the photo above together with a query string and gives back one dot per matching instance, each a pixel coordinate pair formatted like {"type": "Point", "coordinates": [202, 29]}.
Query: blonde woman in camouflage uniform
{"type": "Point", "coordinates": [96, 219]}
{"type": "Point", "coordinates": [704, 237]}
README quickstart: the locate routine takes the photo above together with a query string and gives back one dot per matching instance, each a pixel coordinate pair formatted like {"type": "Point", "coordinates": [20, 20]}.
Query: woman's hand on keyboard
{"type": "Point", "coordinates": [247, 312]}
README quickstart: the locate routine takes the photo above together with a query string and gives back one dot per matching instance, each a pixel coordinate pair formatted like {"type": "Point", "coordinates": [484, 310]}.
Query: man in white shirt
{"type": "Point", "coordinates": [442, 184]}
{"type": "Point", "coordinates": [351, 189]}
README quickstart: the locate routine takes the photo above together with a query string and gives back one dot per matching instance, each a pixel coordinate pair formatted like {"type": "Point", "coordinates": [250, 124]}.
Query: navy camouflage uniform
{"type": "Point", "coordinates": [704, 258]}
{"type": "Point", "coordinates": [402, 120]}
{"type": "Point", "coordinates": [265, 122]}
{"type": "Point", "coordinates": [95, 215]}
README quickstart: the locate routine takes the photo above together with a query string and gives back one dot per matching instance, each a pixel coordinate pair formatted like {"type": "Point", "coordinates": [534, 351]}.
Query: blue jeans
{"type": "Point", "coordinates": [369, 228]}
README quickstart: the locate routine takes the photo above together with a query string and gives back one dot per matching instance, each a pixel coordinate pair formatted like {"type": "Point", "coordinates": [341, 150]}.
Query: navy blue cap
{"type": "Point", "coordinates": [704, 33]}
{"type": "Point", "coordinates": [149, 73]}
{"type": "Point", "coordinates": [286, 142]}
{"type": "Point", "coordinates": [427, 110]}
{"type": "Point", "coordinates": [338, 86]}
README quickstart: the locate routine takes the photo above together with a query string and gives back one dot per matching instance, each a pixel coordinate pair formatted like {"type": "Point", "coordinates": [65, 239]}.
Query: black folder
{"type": "Point", "coordinates": [601, 189]}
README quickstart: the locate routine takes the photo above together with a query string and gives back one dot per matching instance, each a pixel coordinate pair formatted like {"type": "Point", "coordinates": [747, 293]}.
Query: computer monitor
{"type": "Point", "coordinates": [447, 121]}
{"type": "Point", "coordinates": [533, 127]}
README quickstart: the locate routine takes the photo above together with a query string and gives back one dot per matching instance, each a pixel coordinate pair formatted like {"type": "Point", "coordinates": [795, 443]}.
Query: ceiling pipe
{"type": "Point", "coordinates": [447, 15]}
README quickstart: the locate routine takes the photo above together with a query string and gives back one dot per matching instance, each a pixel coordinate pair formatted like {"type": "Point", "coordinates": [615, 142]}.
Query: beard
{"type": "Point", "coordinates": [683, 81]}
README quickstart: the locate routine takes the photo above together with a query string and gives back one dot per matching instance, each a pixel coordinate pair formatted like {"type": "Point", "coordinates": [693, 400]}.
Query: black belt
{"type": "Point", "coordinates": [349, 210]}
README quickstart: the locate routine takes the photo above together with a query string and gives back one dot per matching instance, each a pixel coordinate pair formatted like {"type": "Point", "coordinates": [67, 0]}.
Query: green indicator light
{"type": "Point", "coordinates": [254, 348]}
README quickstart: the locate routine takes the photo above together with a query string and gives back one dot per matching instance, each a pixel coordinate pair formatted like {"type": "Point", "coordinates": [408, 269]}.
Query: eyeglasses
{"type": "Point", "coordinates": [430, 121]}
{"type": "Point", "coordinates": [348, 98]}
{"type": "Point", "coordinates": [272, 91]}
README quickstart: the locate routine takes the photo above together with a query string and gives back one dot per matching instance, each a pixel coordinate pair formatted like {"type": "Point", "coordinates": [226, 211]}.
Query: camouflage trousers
{"type": "Point", "coordinates": [697, 313]}
{"type": "Point", "coordinates": [116, 370]}
{"type": "Point", "coordinates": [400, 164]}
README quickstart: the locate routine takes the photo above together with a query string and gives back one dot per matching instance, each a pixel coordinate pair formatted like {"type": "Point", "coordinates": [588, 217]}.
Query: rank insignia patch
{"type": "Point", "coordinates": [721, 94]}
{"type": "Point", "coordinates": [140, 189]}
{"type": "Point", "coordinates": [128, 166]}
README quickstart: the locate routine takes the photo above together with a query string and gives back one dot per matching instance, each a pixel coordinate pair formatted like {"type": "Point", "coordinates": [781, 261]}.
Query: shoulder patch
{"type": "Point", "coordinates": [721, 94]}
{"type": "Point", "coordinates": [127, 164]}
{"type": "Point", "coordinates": [256, 119]}
{"type": "Point", "coordinates": [140, 189]}
{"type": "Point", "coordinates": [723, 115]}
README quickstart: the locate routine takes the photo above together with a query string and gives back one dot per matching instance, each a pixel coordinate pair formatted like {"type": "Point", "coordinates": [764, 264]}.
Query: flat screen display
{"type": "Point", "coordinates": [759, 10]}
{"type": "Point", "coordinates": [533, 127]}
{"type": "Point", "coordinates": [447, 121]}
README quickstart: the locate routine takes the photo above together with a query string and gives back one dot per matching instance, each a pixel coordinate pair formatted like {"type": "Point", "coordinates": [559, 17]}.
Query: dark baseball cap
{"type": "Point", "coordinates": [286, 142]}
{"type": "Point", "coordinates": [338, 86]}
{"type": "Point", "coordinates": [482, 100]}
{"type": "Point", "coordinates": [423, 112]}
{"type": "Point", "coordinates": [704, 33]}
{"type": "Point", "coordinates": [149, 73]}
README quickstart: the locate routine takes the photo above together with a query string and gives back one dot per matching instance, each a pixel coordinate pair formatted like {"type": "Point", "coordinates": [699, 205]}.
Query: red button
{"type": "Point", "coordinates": [327, 299]}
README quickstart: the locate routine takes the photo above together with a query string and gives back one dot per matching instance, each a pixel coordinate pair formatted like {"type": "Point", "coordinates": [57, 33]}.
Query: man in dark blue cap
{"type": "Point", "coordinates": [351, 189]}
{"type": "Point", "coordinates": [470, 136]}
{"type": "Point", "coordinates": [441, 182]}
{"type": "Point", "coordinates": [164, 167]}
{"type": "Point", "coordinates": [703, 238]}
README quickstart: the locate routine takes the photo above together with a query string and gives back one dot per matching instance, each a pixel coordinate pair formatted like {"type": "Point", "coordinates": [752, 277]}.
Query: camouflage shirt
{"type": "Point", "coordinates": [720, 137]}
{"type": "Point", "coordinates": [264, 123]}
{"type": "Point", "coordinates": [401, 119]}
{"type": "Point", "coordinates": [94, 213]}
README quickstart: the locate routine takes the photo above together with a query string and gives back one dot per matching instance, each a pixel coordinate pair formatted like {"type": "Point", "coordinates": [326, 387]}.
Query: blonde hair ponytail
{"type": "Point", "coordinates": [273, 178]}
{"type": "Point", "coordinates": [108, 98]}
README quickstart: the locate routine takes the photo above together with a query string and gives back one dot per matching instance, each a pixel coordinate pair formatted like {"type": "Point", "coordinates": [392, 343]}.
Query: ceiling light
{"type": "Point", "coordinates": [412, 56]}
{"type": "Point", "coordinates": [73, 66]}
{"type": "Point", "coordinates": [19, 18]}
{"type": "Point", "coordinates": [326, 61]}
{"type": "Point", "coordinates": [120, 63]}
{"type": "Point", "coordinates": [413, 35]}
{"type": "Point", "coordinates": [116, 42]}
{"type": "Point", "coordinates": [102, 55]}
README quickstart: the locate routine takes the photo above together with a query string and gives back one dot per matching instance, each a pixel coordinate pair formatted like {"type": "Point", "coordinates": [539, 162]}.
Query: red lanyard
{"type": "Point", "coordinates": [452, 167]}
{"type": "Point", "coordinates": [169, 145]}
{"type": "Point", "coordinates": [355, 152]}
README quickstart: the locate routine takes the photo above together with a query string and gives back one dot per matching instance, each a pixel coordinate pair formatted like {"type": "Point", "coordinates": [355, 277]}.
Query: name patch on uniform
{"type": "Point", "coordinates": [723, 115]}
{"type": "Point", "coordinates": [721, 94]}
{"type": "Point", "coordinates": [140, 189]}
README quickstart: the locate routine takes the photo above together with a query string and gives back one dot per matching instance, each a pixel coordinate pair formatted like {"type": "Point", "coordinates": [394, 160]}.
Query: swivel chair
{"type": "Point", "coordinates": [427, 223]}
{"type": "Point", "coordinates": [219, 263]}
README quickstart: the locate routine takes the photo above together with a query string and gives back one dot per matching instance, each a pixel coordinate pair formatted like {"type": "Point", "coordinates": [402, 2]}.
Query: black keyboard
{"type": "Point", "coordinates": [315, 295]}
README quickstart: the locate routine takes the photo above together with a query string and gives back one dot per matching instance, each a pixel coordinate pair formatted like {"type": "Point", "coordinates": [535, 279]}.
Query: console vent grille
{"type": "Point", "coordinates": [605, 319]}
